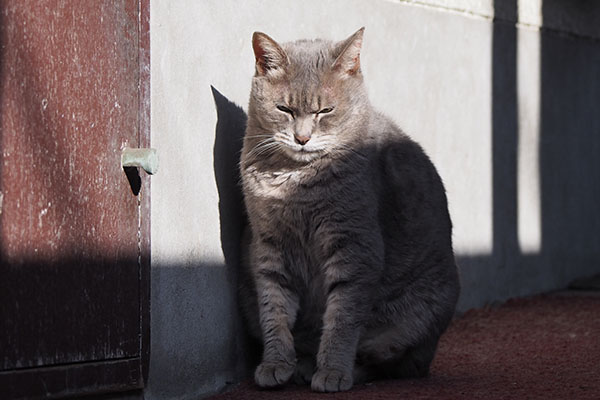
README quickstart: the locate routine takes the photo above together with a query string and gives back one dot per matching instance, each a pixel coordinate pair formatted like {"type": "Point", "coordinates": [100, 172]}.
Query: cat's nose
{"type": "Point", "coordinates": [301, 139]}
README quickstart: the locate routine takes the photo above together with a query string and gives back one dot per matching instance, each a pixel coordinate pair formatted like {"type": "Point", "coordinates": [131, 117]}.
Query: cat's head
{"type": "Point", "coordinates": [307, 99]}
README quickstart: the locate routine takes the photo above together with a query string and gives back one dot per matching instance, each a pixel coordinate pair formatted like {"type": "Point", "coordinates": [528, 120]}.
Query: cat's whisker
{"type": "Point", "coordinates": [255, 149]}
{"type": "Point", "coordinates": [337, 146]}
{"type": "Point", "coordinates": [257, 136]}
{"type": "Point", "coordinates": [263, 148]}
{"type": "Point", "coordinates": [268, 149]}
{"type": "Point", "coordinates": [259, 146]}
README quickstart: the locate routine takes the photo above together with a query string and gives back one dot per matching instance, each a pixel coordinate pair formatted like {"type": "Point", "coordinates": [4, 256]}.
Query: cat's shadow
{"type": "Point", "coordinates": [229, 134]}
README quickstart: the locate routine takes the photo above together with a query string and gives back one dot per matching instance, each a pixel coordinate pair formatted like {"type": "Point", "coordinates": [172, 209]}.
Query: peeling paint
{"type": "Point", "coordinates": [42, 213]}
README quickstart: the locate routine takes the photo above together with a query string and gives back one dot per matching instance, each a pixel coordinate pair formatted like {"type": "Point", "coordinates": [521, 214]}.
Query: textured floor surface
{"type": "Point", "coordinates": [544, 347]}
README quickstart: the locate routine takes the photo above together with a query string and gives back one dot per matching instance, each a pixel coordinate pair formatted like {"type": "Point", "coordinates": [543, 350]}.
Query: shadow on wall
{"type": "Point", "coordinates": [490, 275]}
{"type": "Point", "coordinates": [229, 135]}
{"type": "Point", "coordinates": [195, 321]}
{"type": "Point", "coordinates": [197, 340]}
{"type": "Point", "coordinates": [570, 141]}
{"type": "Point", "coordinates": [206, 291]}
{"type": "Point", "coordinates": [569, 166]}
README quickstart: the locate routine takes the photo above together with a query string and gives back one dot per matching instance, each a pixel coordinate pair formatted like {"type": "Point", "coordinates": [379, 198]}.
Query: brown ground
{"type": "Point", "coordinates": [544, 347]}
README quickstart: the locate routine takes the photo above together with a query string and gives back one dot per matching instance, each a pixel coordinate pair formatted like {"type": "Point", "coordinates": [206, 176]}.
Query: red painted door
{"type": "Point", "coordinates": [74, 300]}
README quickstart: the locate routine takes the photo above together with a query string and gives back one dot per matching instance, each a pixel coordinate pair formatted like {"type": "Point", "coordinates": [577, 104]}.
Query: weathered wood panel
{"type": "Point", "coordinates": [74, 79]}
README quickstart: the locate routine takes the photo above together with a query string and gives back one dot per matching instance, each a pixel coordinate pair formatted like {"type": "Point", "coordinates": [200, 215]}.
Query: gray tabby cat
{"type": "Point", "coordinates": [350, 273]}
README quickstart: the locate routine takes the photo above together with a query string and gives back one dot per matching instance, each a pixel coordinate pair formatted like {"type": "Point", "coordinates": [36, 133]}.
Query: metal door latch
{"type": "Point", "coordinates": [147, 159]}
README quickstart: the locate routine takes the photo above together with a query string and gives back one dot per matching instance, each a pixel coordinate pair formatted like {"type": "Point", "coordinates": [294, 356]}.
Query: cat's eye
{"type": "Point", "coordinates": [285, 110]}
{"type": "Point", "coordinates": [325, 110]}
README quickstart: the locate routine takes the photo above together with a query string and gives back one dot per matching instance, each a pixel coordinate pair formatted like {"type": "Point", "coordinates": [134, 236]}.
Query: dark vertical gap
{"type": "Point", "coordinates": [504, 132]}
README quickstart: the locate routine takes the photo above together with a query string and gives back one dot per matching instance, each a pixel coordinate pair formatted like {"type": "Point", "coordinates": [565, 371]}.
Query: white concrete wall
{"type": "Point", "coordinates": [469, 89]}
{"type": "Point", "coordinates": [434, 92]}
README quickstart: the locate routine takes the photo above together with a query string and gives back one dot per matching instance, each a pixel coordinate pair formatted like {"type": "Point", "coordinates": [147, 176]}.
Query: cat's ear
{"type": "Point", "coordinates": [270, 57]}
{"type": "Point", "coordinates": [348, 60]}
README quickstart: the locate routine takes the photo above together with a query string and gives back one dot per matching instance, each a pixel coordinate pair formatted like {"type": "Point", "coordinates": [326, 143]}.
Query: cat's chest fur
{"type": "Point", "coordinates": [274, 185]}
{"type": "Point", "coordinates": [300, 209]}
{"type": "Point", "coordinates": [304, 195]}
{"type": "Point", "coordinates": [286, 203]}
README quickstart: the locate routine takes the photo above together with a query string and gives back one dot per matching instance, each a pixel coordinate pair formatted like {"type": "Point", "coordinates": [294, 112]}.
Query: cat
{"type": "Point", "coordinates": [349, 273]}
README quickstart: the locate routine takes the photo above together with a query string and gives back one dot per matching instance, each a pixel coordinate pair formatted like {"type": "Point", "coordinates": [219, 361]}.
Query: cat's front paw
{"type": "Point", "coordinates": [331, 380]}
{"type": "Point", "coordinates": [273, 374]}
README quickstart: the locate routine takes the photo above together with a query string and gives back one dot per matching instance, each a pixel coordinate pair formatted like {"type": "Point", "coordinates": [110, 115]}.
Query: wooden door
{"type": "Point", "coordinates": [74, 292]}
